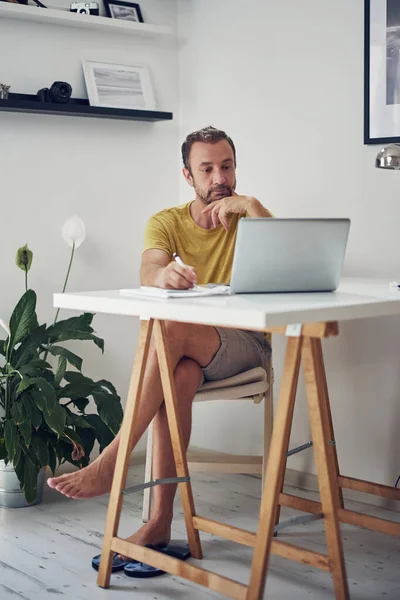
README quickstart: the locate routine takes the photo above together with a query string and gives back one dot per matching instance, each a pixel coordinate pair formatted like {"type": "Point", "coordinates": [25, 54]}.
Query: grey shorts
{"type": "Point", "coordinates": [239, 351]}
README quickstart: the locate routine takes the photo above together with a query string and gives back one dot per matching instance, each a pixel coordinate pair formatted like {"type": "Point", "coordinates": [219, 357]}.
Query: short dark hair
{"type": "Point", "coordinates": [208, 135]}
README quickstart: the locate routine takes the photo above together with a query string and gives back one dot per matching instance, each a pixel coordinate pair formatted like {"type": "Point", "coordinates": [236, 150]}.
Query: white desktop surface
{"type": "Point", "coordinates": [354, 299]}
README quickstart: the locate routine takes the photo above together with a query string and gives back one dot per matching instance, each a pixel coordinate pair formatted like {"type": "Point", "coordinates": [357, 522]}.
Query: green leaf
{"type": "Point", "coordinates": [61, 368]}
{"type": "Point", "coordinates": [3, 451]}
{"type": "Point", "coordinates": [79, 387]}
{"type": "Point", "coordinates": [24, 384]}
{"type": "Point", "coordinates": [70, 434]}
{"type": "Point", "coordinates": [35, 368]}
{"type": "Point", "coordinates": [79, 334]}
{"type": "Point", "coordinates": [99, 342]}
{"type": "Point", "coordinates": [57, 419]}
{"type": "Point", "coordinates": [76, 377]}
{"type": "Point", "coordinates": [29, 348]}
{"type": "Point", "coordinates": [3, 347]}
{"type": "Point", "coordinates": [88, 437]}
{"type": "Point", "coordinates": [17, 411]}
{"type": "Point", "coordinates": [30, 481]}
{"type": "Point", "coordinates": [103, 434]}
{"type": "Point", "coordinates": [109, 409]}
{"type": "Point", "coordinates": [11, 438]}
{"type": "Point", "coordinates": [31, 410]}
{"type": "Point", "coordinates": [80, 403]}
{"type": "Point", "coordinates": [48, 393]}
{"type": "Point", "coordinates": [41, 449]}
{"type": "Point", "coordinates": [19, 468]}
{"type": "Point", "coordinates": [72, 358]}
{"type": "Point", "coordinates": [109, 386]}
{"type": "Point", "coordinates": [77, 420]}
{"type": "Point", "coordinates": [17, 454]}
{"type": "Point", "coordinates": [52, 457]}
{"type": "Point", "coordinates": [23, 318]}
{"type": "Point", "coordinates": [38, 399]}
{"type": "Point", "coordinates": [80, 323]}
{"type": "Point", "coordinates": [25, 429]}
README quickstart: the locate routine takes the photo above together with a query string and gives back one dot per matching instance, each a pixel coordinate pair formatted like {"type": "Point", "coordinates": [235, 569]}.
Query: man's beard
{"type": "Point", "coordinates": [212, 194]}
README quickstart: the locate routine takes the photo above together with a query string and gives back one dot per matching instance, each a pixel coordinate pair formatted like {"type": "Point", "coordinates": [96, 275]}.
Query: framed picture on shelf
{"type": "Point", "coordinates": [127, 11]}
{"type": "Point", "coordinates": [118, 86]}
{"type": "Point", "coordinates": [381, 71]}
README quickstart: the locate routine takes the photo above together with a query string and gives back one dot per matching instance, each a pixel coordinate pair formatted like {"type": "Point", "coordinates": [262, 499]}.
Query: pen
{"type": "Point", "coordinates": [182, 264]}
{"type": "Point", "coordinates": [178, 259]}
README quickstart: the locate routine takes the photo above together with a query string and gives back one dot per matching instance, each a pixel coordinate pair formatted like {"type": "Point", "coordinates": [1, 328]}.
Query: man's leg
{"type": "Point", "coordinates": [197, 342]}
{"type": "Point", "coordinates": [187, 377]}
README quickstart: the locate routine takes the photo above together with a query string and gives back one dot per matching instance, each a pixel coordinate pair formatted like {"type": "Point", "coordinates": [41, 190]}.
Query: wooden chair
{"type": "Point", "coordinates": [255, 385]}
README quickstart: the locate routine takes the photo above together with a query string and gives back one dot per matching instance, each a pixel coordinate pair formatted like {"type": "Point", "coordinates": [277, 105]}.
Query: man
{"type": "Point", "coordinates": [202, 233]}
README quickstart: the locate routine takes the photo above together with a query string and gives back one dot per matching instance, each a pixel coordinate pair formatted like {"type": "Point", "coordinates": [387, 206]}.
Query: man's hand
{"type": "Point", "coordinates": [221, 209]}
{"type": "Point", "coordinates": [176, 277]}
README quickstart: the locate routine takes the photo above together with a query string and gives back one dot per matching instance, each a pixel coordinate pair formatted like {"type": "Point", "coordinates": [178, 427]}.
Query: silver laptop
{"type": "Point", "coordinates": [289, 255]}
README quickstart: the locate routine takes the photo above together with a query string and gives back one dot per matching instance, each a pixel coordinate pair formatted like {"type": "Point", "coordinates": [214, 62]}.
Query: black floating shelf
{"type": "Point", "coordinates": [78, 107]}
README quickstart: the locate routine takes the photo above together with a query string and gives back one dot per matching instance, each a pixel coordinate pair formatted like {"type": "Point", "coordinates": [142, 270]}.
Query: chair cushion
{"type": "Point", "coordinates": [246, 384]}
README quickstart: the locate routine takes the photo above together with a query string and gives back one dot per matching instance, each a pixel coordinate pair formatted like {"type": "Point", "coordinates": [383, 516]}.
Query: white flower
{"type": "Point", "coordinates": [73, 231]}
{"type": "Point", "coordinates": [5, 326]}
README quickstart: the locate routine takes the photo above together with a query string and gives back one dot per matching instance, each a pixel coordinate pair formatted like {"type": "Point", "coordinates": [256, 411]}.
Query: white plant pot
{"type": "Point", "coordinates": [11, 495]}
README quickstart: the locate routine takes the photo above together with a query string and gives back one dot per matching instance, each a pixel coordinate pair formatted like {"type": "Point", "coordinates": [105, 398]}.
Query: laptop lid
{"type": "Point", "coordinates": [289, 255]}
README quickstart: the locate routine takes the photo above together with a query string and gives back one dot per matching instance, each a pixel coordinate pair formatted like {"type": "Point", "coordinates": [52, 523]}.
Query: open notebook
{"type": "Point", "coordinates": [197, 290]}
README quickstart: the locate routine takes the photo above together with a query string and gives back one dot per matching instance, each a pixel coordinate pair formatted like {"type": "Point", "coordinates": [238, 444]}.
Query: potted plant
{"type": "Point", "coordinates": [44, 395]}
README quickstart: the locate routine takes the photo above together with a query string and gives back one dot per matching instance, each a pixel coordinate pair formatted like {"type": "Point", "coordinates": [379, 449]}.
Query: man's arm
{"type": "Point", "coordinates": [158, 270]}
{"type": "Point", "coordinates": [221, 209]}
{"type": "Point", "coordinates": [255, 209]}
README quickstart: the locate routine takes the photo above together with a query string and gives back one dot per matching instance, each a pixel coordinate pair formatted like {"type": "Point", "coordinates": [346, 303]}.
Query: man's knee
{"type": "Point", "coordinates": [188, 373]}
{"type": "Point", "coordinates": [199, 342]}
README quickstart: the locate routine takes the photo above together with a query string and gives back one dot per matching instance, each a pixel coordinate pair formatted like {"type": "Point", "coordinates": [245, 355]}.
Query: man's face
{"type": "Point", "coordinates": [212, 171]}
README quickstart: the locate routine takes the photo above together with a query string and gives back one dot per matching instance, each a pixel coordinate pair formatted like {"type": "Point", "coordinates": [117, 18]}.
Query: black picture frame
{"type": "Point", "coordinates": [121, 3]}
{"type": "Point", "coordinates": [381, 108]}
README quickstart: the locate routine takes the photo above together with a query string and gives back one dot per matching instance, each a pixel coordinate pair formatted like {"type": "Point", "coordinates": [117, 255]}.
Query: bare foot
{"type": "Point", "coordinates": [93, 480]}
{"type": "Point", "coordinates": [155, 532]}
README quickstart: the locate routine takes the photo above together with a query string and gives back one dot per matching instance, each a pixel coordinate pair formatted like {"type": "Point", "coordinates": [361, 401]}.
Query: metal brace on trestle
{"type": "Point", "coordinates": [305, 446]}
{"type": "Point", "coordinates": [154, 482]}
{"type": "Point", "coordinates": [299, 449]}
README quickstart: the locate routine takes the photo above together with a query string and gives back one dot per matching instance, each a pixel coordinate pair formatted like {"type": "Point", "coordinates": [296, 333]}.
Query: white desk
{"type": "Point", "coordinates": [316, 316]}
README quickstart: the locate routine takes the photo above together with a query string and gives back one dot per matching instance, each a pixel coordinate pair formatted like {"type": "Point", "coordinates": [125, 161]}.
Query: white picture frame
{"type": "Point", "coordinates": [113, 85]}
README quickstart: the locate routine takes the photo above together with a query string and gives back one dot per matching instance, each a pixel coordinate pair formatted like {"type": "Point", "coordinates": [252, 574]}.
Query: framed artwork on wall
{"type": "Point", "coordinates": [381, 71]}
{"type": "Point", "coordinates": [128, 11]}
{"type": "Point", "coordinates": [118, 86]}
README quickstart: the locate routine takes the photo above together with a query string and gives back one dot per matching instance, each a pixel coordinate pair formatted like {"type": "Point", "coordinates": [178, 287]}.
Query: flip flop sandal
{"type": "Point", "coordinates": [141, 570]}
{"type": "Point", "coordinates": [118, 563]}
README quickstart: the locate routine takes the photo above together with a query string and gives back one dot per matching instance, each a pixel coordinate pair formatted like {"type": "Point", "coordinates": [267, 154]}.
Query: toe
{"type": "Point", "coordinates": [52, 482]}
{"type": "Point", "coordinates": [55, 482]}
{"type": "Point", "coordinates": [67, 490]}
{"type": "Point", "coordinates": [63, 484]}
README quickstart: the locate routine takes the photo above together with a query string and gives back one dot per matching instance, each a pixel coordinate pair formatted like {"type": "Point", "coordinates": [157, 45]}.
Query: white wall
{"type": "Point", "coordinates": [113, 174]}
{"type": "Point", "coordinates": [285, 80]}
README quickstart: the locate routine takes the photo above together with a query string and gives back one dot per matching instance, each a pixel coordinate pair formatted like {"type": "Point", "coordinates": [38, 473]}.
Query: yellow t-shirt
{"type": "Point", "coordinates": [210, 251]}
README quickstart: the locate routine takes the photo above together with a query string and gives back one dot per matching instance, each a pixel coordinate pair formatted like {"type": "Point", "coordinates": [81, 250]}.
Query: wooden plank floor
{"type": "Point", "coordinates": [45, 551]}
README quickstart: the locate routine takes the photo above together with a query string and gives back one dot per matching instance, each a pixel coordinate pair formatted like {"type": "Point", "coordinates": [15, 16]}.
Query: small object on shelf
{"type": "Point", "coordinates": [127, 11]}
{"type": "Point", "coordinates": [85, 8]}
{"type": "Point", "coordinates": [59, 92]}
{"type": "Point", "coordinates": [4, 89]}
